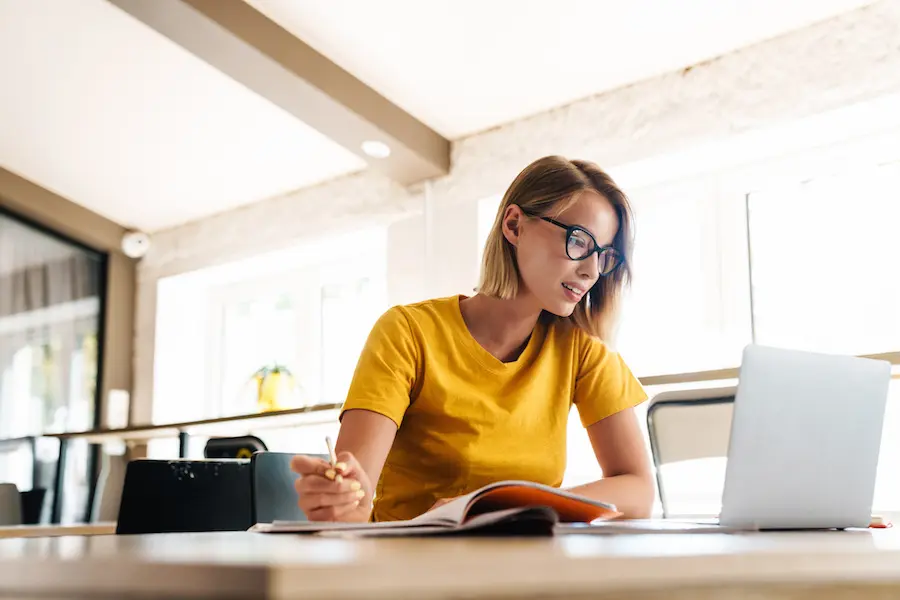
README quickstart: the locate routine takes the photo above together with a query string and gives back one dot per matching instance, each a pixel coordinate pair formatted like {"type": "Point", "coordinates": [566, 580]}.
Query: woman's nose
{"type": "Point", "coordinates": [589, 268]}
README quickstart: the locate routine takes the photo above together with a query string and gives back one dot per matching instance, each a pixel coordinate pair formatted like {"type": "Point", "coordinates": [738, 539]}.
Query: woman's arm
{"type": "Point", "coordinates": [345, 493]}
{"type": "Point", "coordinates": [368, 436]}
{"type": "Point", "coordinates": [627, 476]}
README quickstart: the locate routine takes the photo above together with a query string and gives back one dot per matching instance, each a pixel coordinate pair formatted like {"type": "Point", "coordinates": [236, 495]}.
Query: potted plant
{"type": "Point", "coordinates": [276, 388]}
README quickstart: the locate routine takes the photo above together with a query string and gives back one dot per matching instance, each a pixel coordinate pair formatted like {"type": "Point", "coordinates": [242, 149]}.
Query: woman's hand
{"type": "Point", "coordinates": [325, 494]}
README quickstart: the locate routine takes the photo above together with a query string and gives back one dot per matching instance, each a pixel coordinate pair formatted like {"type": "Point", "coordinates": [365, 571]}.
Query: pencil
{"type": "Point", "coordinates": [331, 455]}
{"type": "Point", "coordinates": [334, 475]}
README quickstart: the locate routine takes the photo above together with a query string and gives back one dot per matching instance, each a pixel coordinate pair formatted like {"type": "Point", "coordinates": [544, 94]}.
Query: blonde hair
{"type": "Point", "coordinates": [547, 187]}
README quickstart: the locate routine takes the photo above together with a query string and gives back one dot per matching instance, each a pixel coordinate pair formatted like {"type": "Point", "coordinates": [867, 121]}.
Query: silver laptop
{"type": "Point", "coordinates": [805, 438]}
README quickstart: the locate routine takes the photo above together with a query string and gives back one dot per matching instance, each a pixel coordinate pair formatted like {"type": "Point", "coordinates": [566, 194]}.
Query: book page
{"type": "Point", "coordinates": [513, 521]}
{"type": "Point", "coordinates": [453, 513]}
{"type": "Point", "coordinates": [515, 495]}
{"type": "Point", "coordinates": [322, 526]}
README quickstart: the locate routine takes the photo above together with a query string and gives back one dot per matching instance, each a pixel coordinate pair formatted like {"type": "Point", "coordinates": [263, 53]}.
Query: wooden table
{"type": "Point", "coordinates": [27, 531]}
{"type": "Point", "coordinates": [824, 565]}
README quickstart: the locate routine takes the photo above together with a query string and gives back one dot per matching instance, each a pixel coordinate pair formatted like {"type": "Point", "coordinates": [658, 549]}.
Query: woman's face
{"type": "Point", "coordinates": [557, 282]}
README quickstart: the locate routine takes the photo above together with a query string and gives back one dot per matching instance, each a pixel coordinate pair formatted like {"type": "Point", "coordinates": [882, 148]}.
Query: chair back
{"type": "Point", "coordinates": [33, 505]}
{"type": "Point", "coordinates": [688, 425]}
{"type": "Point", "coordinates": [233, 447]}
{"type": "Point", "coordinates": [162, 496]}
{"type": "Point", "coordinates": [10, 504]}
{"type": "Point", "coordinates": [108, 495]}
{"type": "Point", "coordinates": [274, 497]}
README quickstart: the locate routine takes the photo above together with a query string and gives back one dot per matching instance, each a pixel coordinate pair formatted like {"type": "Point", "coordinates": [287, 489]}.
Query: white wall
{"type": "Point", "coordinates": [406, 252]}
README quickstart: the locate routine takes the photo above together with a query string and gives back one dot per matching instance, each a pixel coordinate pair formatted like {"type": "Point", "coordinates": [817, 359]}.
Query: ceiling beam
{"type": "Point", "coordinates": [58, 214]}
{"type": "Point", "coordinates": [244, 44]}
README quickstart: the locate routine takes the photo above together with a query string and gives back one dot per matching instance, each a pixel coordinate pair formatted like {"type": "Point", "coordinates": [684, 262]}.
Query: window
{"type": "Point", "coordinates": [348, 312]}
{"type": "Point", "coordinates": [687, 308]}
{"type": "Point", "coordinates": [50, 311]}
{"type": "Point", "coordinates": [314, 322]}
{"type": "Point", "coordinates": [262, 327]}
{"type": "Point", "coordinates": [309, 309]}
{"type": "Point", "coordinates": [824, 256]}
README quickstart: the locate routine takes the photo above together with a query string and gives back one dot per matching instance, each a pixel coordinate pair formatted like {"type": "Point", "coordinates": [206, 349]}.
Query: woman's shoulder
{"type": "Point", "coordinates": [420, 319]}
{"type": "Point", "coordinates": [423, 315]}
{"type": "Point", "coordinates": [566, 334]}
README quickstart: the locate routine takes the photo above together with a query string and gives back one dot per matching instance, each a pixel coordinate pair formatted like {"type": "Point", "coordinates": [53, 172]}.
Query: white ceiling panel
{"type": "Point", "coordinates": [103, 110]}
{"type": "Point", "coordinates": [462, 66]}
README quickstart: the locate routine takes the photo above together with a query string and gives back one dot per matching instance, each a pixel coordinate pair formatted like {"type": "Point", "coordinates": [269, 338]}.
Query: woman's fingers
{"type": "Point", "coordinates": [318, 501]}
{"type": "Point", "coordinates": [309, 465]}
{"type": "Point", "coordinates": [317, 484]}
{"type": "Point", "coordinates": [330, 513]}
{"type": "Point", "coordinates": [346, 465]}
{"type": "Point", "coordinates": [318, 506]}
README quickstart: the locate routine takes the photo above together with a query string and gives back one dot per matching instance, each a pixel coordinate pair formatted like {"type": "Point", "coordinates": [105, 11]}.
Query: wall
{"type": "Point", "coordinates": [71, 220]}
{"type": "Point", "coordinates": [849, 59]}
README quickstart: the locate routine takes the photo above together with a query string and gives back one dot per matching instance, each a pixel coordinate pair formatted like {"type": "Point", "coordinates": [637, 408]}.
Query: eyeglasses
{"type": "Point", "coordinates": [580, 244]}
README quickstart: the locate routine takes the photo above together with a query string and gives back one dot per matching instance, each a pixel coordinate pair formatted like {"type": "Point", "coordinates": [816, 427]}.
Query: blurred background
{"type": "Point", "coordinates": [205, 204]}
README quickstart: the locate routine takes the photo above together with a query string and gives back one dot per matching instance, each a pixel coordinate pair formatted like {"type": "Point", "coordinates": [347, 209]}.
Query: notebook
{"type": "Point", "coordinates": [502, 508]}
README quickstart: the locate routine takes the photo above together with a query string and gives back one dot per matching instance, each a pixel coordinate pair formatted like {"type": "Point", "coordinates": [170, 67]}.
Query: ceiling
{"type": "Point", "coordinates": [110, 114]}
{"type": "Point", "coordinates": [463, 66]}
{"type": "Point", "coordinates": [153, 127]}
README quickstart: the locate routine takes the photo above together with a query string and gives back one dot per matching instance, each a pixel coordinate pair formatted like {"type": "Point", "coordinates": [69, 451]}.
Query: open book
{"type": "Point", "coordinates": [505, 507]}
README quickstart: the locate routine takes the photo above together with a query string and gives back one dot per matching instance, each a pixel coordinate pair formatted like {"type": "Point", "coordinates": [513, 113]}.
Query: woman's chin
{"type": "Point", "coordinates": [560, 308]}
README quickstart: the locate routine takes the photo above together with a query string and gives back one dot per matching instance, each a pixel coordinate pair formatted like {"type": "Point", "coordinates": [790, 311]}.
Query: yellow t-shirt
{"type": "Point", "coordinates": [465, 418]}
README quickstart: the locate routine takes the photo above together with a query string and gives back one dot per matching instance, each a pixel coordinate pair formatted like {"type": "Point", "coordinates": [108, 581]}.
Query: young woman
{"type": "Point", "coordinates": [454, 393]}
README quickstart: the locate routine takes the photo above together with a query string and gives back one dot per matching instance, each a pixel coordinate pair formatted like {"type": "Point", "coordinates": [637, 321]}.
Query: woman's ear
{"type": "Point", "coordinates": [511, 225]}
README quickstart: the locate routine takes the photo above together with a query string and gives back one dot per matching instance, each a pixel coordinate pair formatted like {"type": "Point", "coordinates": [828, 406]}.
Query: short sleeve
{"type": "Point", "coordinates": [604, 385]}
{"type": "Point", "coordinates": [386, 371]}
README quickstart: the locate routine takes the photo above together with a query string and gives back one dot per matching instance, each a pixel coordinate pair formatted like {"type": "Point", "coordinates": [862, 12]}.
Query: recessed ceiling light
{"type": "Point", "coordinates": [376, 149]}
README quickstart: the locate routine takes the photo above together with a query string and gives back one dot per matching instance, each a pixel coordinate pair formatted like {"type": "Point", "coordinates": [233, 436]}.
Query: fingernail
{"type": "Point", "coordinates": [341, 466]}
{"type": "Point", "coordinates": [360, 494]}
{"type": "Point", "coordinates": [355, 504]}
{"type": "Point", "coordinates": [338, 478]}
{"type": "Point", "coordinates": [330, 474]}
{"type": "Point", "coordinates": [355, 486]}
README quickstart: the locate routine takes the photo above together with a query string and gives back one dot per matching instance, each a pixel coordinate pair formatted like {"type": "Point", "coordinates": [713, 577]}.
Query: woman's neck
{"type": "Point", "coordinates": [502, 327]}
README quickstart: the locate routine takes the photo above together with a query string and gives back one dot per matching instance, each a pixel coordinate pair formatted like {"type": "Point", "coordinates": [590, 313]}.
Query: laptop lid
{"type": "Point", "coordinates": [805, 439]}
{"type": "Point", "coordinates": [274, 497]}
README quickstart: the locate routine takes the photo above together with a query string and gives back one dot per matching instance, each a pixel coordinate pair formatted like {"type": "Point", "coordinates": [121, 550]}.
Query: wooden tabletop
{"type": "Point", "coordinates": [822, 565]}
{"type": "Point", "coordinates": [24, 531]}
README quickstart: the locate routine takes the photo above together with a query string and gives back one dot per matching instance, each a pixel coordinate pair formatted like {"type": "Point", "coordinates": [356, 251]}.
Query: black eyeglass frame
{"type": "Point", "coordinates": [600, 250]}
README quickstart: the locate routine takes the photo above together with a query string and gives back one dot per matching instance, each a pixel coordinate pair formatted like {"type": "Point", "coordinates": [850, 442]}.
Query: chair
{"type": "Point", "coordinates": [162, 496]}
{"type": "Point", "coordinates": [233, 447]}
{"type": "Point", "coordinates": [110, 481]}
{"type": "Point", "coordinates": [32, 505]}
{"type": "Point", "coordinates": [688, 425]}
{"type": "Point", "coordinates": [273, 495]}
{"type": "Point", "coordinates": [10, 504]}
